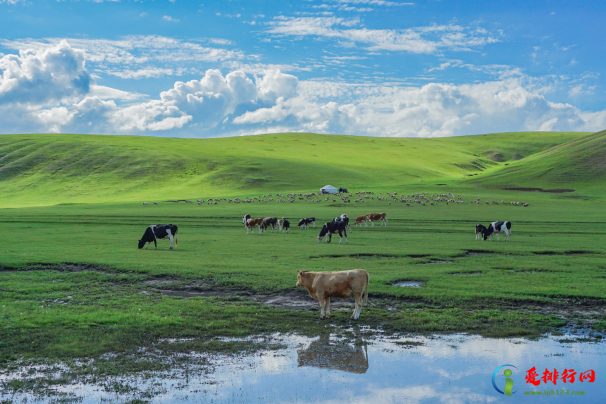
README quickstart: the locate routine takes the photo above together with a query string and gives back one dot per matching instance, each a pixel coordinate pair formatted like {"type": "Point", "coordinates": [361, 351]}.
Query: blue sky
{"type": "Point", "coordinates": [360, 67]}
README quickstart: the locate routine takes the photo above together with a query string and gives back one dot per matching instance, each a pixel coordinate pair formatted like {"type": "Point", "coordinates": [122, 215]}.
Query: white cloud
{"type": "Point", "coordinates": [136, 56]}
{"type": "Point", "coordinates": [49, 89]}
{"type": "Point", "coordinates": [169, 18]}
{"type": "Point", "coordinates": [431, 110]}
{"type": "Point", "coordinates": [43, 76]}
{"type": "Point", "coordinates": [428, 39]}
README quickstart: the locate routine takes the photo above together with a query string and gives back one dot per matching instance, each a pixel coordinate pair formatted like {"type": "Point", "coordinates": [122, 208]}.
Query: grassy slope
{"type": "Point", "coordinates": [50, 169]}
{"type": "Point", "coordinates": [577, 164]}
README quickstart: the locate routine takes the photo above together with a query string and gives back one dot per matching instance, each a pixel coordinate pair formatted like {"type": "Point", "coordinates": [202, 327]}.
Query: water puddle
{"type": "Point", "coordinates": [408, 284]}
{"type": "Point", "coordinates": [369, 369]}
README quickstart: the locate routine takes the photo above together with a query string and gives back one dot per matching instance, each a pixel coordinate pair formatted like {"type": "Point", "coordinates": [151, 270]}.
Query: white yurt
{"type": "Point", "coordinates": [329, 189]}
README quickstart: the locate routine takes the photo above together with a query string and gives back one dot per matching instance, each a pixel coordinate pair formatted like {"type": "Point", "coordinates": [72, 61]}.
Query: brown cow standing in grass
{"type": "Point", "coordinates": [377, 216]}
{"type": "Point", "coordinates": [341, 284]}
{"type": "Point", "coordinates": [252, 223]}
{"type": "Point", "coordinates": [360, 219]}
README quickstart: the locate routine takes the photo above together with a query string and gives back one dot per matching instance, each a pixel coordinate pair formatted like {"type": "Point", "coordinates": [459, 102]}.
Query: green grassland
{"type": "Point", "coordinates": [77, 199]}
{"type": "Point", "coordinates": [40, 170]}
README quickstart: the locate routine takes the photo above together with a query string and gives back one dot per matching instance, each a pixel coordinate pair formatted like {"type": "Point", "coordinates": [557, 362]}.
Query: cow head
{"type": "Point", "coordinates": [486, 233]}
{"type": "Point", "coordinates": [301, 278]}
{"type": "Point", "coordinates": [323, 232]}
{"type": "Point", "coordinates": [141, 244]}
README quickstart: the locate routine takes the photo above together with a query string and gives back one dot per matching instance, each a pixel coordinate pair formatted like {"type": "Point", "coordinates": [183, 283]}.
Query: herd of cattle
{"type": "Point", "coordinates": [321, 285]}
{"type": "Point", "coordinates": [337, 225]}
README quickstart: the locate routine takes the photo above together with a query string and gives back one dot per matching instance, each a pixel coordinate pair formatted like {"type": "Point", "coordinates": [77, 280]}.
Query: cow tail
{"type": "Point", "coordinates": [366, 294]}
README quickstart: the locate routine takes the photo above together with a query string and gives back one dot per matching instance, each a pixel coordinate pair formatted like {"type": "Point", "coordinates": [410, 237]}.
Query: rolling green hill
{"type": "Point", "coordinates": [45, 169]}
{"type": "Point", "coordinates": [578, 163]}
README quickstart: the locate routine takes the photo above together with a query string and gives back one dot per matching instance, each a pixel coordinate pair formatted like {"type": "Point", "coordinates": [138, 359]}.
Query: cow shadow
{"type": "Point", "coordinates": [336, 355]}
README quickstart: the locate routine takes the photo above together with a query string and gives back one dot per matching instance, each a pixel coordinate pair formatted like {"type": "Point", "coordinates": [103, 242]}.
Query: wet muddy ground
{"type": "Point", "coordinates": [364, 368]}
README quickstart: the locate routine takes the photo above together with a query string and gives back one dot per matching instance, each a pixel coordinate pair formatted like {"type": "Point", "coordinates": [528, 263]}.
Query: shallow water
{"type": "Point", "coordinates": [444, 369]}
{"type": "Point", "coordinates": [408, 284]}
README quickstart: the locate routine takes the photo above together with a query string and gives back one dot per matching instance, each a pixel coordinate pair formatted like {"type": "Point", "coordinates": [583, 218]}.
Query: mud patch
{"type": "Point", "coordinates": [479, 252]}
{"type": "Point", "coordinates": [430, 262]}
{"type": "Point", "coordinates": [552, 191]}
{"type": "Point", "coordinates": [564, 252]}
{"type": "Point", "coordinates": [64, 267]}
{"type": "Point", "coordinates": [286, 300]}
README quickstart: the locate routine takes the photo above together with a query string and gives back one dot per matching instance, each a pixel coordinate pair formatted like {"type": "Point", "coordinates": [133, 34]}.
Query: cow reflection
{"type": "Point", "coordinates": [336, 355]}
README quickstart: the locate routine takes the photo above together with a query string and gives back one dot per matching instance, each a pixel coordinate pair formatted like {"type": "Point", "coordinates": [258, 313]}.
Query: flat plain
{"type": "Point", "coordinates": [73, 284]}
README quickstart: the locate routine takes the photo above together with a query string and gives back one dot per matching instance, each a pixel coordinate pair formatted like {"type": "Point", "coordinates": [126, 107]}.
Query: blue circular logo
{"type": "Point", "coordinates": [508, 382]}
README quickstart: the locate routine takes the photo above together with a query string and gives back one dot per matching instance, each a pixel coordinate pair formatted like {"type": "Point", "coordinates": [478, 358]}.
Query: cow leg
{"type": "Point", "coordinates": [327, 304]}
{"type": "Point", "coordinates": [155, 244]}
{"type": "Point", "coordinates": [357, 306]}
{"type": "Point", "coordinates": [322, 303]}
{"type": "Point", "coordinates": [170, 236]}
{"type": "Point", "coordinates": [146, 245]}
{"type": "Point", "coordinates": [345, 231]}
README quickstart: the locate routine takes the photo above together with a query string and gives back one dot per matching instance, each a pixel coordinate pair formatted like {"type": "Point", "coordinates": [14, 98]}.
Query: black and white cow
{"type": "Point", "coordinates": [285, 225]}
{"type": "Point", "coordinates": [343, 190]}
{"type": "Point", "coordinates": [159, 232]}
{"type": "Point", "coordinates": [245, 219]}
{"type": "Point", "coordinates": [304, 223]}
{"type": "Point", "coordinates": [331, 228]}
{"type": "Point", "coordinates": [270, 222]}
{"type": "Point", "coordinates": [343, 218]}
{"type": "Point", "coordinates": [480, 229]}
{"type": "Point", "coordinates": [498, 228]}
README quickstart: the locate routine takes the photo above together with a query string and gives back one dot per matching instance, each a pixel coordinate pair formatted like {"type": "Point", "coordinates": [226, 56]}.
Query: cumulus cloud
{"type": "Point", "coordinates": [138, 56]}
{"type": "Point", "coordinates": [428, 39]}
{"type": "Point", "coordinates": [50, 90]}
{"type": "Point", "coordinates": [431, 110]}
{"type": "Point", "coordinates": [43, 76]}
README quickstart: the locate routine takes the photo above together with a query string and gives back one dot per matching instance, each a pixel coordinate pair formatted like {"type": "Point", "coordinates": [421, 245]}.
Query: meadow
{"type": "Point", "coordinates": [73, 284]}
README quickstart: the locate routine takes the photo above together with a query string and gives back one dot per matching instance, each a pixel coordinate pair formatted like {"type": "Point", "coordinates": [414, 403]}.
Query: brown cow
{"type": "Point", "coordinates": [341, 284]}
{"type": "Point", "coordinates": [360, 219]}
{"type": "Point", "coordinates": [252, 223]}
{"type": "Point", "coordinates": [377, 216]}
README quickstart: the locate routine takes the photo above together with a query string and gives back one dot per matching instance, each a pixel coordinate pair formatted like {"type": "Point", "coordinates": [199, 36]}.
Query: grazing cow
{"type": "Point", "coordinates": [341, 284]}
{"type": "Point", "coordinates": [480, 229]}
{"type": "Point", "coordinates": [498, 228]}
{"type": "Point", "coordinates": [270, 222]}
{"type": "Point", "coordinates": [377, 216]}
{"type": "Point", "coordinates": [343, 190]}
{"type": "Point", "coordinates": [252, 223]}
{"type": "Point", "coordinates": [344, 220]}
{"type": "Point", "coordinates": [159, 231]}
{"type": "Point", "coordinates": [245, 219]}
{"type": "Point", "coordinates": [285, 225]}
{"type": "Point", "coordinates": [331, 228]}
{"type": "Point", "coordinates": [360, 219]}
{"type": "Point", "coordinates": [304, 223]}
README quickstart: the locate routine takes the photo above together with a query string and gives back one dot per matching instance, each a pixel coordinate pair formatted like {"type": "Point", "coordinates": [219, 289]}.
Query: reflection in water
{"type": "Point", "coordinates": [337, 355]}
{"type": "Point", "coordinates": [451, 369]}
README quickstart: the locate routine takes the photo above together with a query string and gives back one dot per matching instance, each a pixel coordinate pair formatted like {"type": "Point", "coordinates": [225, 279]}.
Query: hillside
{"type": "Point", "coordinates": [43, 169]}
{"type": "Point", "coordinates": [578, 163]}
